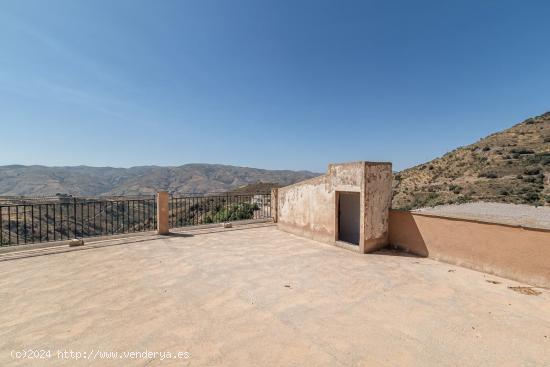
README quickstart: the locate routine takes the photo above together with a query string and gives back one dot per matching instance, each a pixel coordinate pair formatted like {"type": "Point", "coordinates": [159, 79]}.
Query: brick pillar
{"type": "Point", "coordinates": [274, 204]}
{"type": "Point", "coordinates": [163, 226]}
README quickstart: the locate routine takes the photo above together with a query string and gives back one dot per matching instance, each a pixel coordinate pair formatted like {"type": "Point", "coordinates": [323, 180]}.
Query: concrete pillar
{"type": "Point", "coordinates": [163, 226]}
{"type": "Point", "coordinates": [274, 204]}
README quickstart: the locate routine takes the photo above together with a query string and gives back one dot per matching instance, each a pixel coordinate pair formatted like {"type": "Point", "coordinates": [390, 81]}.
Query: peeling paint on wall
{"type": "Point", "coordinates": [309, 208]}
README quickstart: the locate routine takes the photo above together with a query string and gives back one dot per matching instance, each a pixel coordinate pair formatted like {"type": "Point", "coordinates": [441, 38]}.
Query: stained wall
{"type": "Point", "coordinates": [310, 208]}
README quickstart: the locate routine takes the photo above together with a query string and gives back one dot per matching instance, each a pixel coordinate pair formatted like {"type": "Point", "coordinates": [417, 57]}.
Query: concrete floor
{"type": "Point", "coordinates": [258, 296]}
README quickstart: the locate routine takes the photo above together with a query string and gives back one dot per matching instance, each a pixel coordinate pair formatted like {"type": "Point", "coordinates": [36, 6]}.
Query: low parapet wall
{"type": "Point", "coordinates": [513, 252]}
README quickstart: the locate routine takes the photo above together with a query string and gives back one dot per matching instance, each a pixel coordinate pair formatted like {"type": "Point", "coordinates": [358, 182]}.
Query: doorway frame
{"type": "Point", "coordinates": [337, 242]}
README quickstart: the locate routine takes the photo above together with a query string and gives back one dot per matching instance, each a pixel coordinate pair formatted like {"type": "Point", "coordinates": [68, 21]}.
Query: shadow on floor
{"type": "Point", "coordinates": [207, 230]}
{"type": "Point", "coordinates": [179, 234]}
{"type": "Point", "coordinates": [392, 251]}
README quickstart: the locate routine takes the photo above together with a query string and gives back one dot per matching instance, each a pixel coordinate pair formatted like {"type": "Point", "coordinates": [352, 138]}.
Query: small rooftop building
{"type": "Point", "coordinates": [348, 206]}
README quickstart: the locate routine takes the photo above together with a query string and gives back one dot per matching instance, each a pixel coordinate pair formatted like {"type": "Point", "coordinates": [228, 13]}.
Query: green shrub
{"type": "Point", "coordinates": [426, 200]}
{"type": "Point", "coordinates": [531, 171]}
{"type": "Point", "coordinates": [534, 179]}
{"type": "Point", "coordinates": [531, 197]}
{"type": "Point", "coordinates": [234, 212]}
{"type": "Point", "coordinates": [522, 151]}
{"type": "Point", "coordinates": [455, 188]}
{"type": "Point", "coordinates": [463, 199]}
{"type": "Point", "coordinates": [488, 174]}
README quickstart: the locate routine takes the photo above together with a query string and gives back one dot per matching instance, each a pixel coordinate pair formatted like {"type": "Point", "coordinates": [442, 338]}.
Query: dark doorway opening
{"type": "Point", "coordinates": [349, 217]}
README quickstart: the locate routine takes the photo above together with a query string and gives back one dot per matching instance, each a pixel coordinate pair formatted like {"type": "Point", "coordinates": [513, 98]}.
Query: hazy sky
{"type": "Point", "coordinates": [270, 84]}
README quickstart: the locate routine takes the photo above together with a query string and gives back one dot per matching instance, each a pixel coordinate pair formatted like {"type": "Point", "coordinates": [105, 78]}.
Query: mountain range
{"type": "Point", "coordinates": [17, 180]}
{"type": "Point", "coordinates": [511, 166]}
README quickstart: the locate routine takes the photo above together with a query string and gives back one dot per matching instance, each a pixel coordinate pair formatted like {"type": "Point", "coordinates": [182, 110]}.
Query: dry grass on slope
{"type": "Point", "coordinates": [511, 166]}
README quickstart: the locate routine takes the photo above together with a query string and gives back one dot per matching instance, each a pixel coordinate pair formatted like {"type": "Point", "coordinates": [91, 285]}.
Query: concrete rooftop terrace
{"type": "Point", "coordinates": [255, 296]}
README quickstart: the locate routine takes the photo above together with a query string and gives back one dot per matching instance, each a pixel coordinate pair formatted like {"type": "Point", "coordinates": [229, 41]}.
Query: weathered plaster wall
{"type": "Point", "coordinates": [377, 203]}
{"type": "Point", "coordinates": [309, 209]}
{"type": "Point", "coordinates": [517, 253]}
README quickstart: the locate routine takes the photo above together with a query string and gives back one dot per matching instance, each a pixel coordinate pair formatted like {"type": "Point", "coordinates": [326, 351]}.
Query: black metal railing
{"type": "Point", "coordinates": [26, 220]}
{"type": "Point", "coordinates": [217, 208]}
{"type": "Point", "coordinates": [35, 220]}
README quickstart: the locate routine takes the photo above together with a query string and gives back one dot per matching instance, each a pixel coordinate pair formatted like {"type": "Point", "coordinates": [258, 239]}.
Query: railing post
{"type": "Point", "coordinates": [162, 213]}
{"type": "Point", "coordinates": [274, 204]}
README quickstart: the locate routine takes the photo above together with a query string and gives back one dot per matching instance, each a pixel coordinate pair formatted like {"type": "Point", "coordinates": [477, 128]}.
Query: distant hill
{"type": "Point", "coordinates": [94, 181]}
{"type": "Point", "coordinates": [511, 166]}
{"type": "Point", "coordinates": [255, 187]}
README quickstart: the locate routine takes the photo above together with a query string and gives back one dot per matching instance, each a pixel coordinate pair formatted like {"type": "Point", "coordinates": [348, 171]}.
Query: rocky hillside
{"type": "Point", "coordinates": [93, 181]}
{"type": "Point", "coordinates": [511, 166]}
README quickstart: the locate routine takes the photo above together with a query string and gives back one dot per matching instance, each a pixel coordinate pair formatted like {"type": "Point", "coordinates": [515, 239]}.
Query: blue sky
{"type": "Point", "coordinates": [280, 84]}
